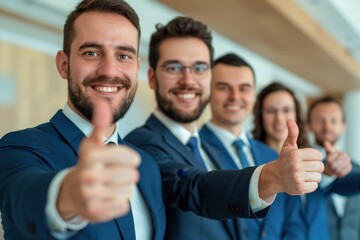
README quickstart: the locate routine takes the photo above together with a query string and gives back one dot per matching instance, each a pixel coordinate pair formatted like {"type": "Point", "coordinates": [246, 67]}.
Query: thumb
{"type": "Point", "coordinates": [293, 133]}
{"type": "Point", "coordinates": [101, 120]}
{"type": "Point", "coordinates": [328, 147]}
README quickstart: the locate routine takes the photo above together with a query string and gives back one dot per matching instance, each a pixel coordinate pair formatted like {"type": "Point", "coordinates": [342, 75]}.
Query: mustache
{"type": "Point", "coordinates": [114, 81]}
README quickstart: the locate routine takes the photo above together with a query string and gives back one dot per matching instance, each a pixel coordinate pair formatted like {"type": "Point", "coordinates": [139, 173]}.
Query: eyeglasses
{"type": "Point", "coordinates": [274, 111]}
{"type": "Point", "coordinates": [177, 70]}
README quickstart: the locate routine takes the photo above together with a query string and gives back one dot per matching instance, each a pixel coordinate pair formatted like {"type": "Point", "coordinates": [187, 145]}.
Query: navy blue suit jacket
{"type": "Point", "coordinates": [29, 159]}
{"type": "Point", "coordinates": [190, 192]}
{"type": "Point", "coordinates": [283, 220]}
{"type": "Point", "coordinates": [315, 209]}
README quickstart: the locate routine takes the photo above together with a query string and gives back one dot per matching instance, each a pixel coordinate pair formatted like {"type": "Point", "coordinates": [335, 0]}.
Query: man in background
{"type": "Point", "coordinates": [181, 58]}
{"type": "Point", "coordinates": [326, 119]}
{"type": "Point", "coordinates": [232, 100]}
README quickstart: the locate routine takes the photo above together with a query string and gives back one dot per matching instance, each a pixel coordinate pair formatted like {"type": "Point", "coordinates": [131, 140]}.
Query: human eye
{"type": "Point", "coordinates": [200, 68]}
{"type": "Point", "coordinates": [334, 121]}
{"type": "Point", "coordinates": [173, 67]}
{"type": "Point", "coordinates": [287, 110]}
{"type": "Point", "coordinates": [222, 87]}
{"type": "Point", "coordinates": [245, 88]}
{"type": "Point", "coordinates": [124, 57]}
{"type": "Point", "coordinates": [90, 54]}
{"type": "Point", "coordinates": [270, 110]}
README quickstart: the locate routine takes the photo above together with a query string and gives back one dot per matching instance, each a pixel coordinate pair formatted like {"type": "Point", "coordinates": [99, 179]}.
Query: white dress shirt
{"type": "Point", "coordinates": [184, 135]}
{"type": "Point", "coordinates": [227, 139]}
{"type": "Point", "coordinates": [63, 229]}
{"type": "Point", "coordinates": [338, 200]}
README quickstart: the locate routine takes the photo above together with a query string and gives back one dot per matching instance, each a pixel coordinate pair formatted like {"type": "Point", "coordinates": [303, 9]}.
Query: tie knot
{"type": "Point", "coordinates": [111, 143]}
{"type": "Point", "coordinates": [192, 143]}
{"type": "Point", "coordinates": [239, 143]}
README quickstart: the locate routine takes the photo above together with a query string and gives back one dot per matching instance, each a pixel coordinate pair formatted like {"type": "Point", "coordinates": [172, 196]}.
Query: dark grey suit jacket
{"type": "Point", "coordinates": [346, 227]}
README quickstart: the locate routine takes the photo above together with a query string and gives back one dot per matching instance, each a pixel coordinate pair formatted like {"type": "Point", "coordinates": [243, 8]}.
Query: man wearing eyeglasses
{"type": "Point", "coordinates": [181, 57]}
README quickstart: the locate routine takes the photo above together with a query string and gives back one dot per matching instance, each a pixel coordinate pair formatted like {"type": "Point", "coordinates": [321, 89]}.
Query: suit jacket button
{"type": "Point", "coordinates": [31, 227]}
{"type": "Point", "coordinates": [263, 234]}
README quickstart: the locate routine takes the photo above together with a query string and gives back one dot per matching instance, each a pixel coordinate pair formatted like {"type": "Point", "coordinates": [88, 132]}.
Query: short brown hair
{"type": "Point", "coordinates": [325, 100]}
{"type": "Point", "coordinates": [110, 6]}
{"type": "Point", "coordinates": [179, 27]}
{"type": "Point", "coordinates": [235, 60]}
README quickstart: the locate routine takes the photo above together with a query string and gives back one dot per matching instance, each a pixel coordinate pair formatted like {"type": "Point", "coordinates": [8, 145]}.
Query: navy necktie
{"type": "Point", "coordinates": [239, 149]}
{"type": "Point", "coordinates": [128, 219]}
{"type": "Point", "coordinates": [193, 145]}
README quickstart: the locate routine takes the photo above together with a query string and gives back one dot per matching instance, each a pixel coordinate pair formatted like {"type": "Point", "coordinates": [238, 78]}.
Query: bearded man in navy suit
{"type": "Point", "coordinates": [63, 179]}
{"type": "Point", "coordinates": [181, 58]}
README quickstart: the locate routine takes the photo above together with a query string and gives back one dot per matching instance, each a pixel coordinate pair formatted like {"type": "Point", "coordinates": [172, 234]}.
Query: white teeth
{"type": "Point", "coordinates": [186, 95]}
{"type": "Point", "coordinates": [106, 89]}
{"type": "Point", "coordinates": [232, 107]}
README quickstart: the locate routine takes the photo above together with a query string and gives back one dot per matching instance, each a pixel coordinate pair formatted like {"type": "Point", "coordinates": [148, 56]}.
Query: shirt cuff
{"type": "Point", "coordinates": [256, 203]}
{"type": "Point", "coordinates": [55, 222]}
{"type": "Point", "coordinates": [326, 181]}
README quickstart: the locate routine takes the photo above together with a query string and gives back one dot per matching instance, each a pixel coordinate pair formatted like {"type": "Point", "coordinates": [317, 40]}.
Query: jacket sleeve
{"type": "Point", "coordinates": [24, 182]}
{"type": "Point", "coordinates": [348, 185]}
{"type": "Point", "coordinates": [215, 194]}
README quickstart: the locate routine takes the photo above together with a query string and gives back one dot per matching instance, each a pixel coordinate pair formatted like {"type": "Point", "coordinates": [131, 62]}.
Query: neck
{"type": "Point", "coordinates": [274, 144]}
{"type": "Point", "coordinates": [109, 130]}
{"type": "Point", "coordinates": [189, 126]}
{"type": "Point", "coordinates": [235, 129]}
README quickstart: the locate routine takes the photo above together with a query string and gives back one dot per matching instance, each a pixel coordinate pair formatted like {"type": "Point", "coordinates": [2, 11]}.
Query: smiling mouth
{"type": "Point", "coordinates": [106, 89]}
{"type": "Point", "coordinates": [186, 96]}
{"type": "Point", "coordinates": [233, 107]}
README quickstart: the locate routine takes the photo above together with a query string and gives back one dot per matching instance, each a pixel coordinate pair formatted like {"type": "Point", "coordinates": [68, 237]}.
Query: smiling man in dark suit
{"type": "Point", "coordinates": [181, 58]}
{"type": "Point", "coordinates": [232, 100]}
{"type": "Point", "coordinates": [63, 179]}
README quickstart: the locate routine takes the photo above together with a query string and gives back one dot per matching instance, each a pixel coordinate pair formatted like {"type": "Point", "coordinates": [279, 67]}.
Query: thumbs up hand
{"type": "Point", "coordinates": [98, 188]}
{"type": "Point", "coordinates": [297, 171]}
{"type": "Point", "coordinates": [337, 162]}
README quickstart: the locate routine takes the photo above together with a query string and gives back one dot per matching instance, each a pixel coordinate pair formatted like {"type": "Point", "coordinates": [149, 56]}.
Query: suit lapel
{"type": "Point", "coordinates": [216, 150]}
{"type": "Point", "coordinates": [73, 136]}
{"type": "Point", "coordinates": [256, 153]}
{"type": "Point", "coordinates": [174, 143]}
{"type": "Point", "coordinates": [68, 130]}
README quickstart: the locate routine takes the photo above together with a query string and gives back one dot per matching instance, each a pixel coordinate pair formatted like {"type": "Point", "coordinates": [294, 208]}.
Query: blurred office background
{"type": "Point", "coordinates": [312, 46]}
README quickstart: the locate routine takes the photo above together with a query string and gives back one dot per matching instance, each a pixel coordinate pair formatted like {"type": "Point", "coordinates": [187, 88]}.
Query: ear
{"type": "Point", "coordinates": [138, 63]}
{"type": "Point", "coordinates": [62, 62]}
{"type": "Point", "coordinates": [152, 78]}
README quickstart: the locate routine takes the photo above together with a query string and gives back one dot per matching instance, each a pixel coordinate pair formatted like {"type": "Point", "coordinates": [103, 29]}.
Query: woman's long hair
{"type": "Point", "coordinates": [259, 132]}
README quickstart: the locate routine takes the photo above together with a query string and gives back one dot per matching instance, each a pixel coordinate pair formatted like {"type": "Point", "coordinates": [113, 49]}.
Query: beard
{"type": "Point", "coordinates": [84, 105]}
{"type": "Point", "coordinates": [169, 109]}
{"type": "Point", "coordinates": [320, 142]}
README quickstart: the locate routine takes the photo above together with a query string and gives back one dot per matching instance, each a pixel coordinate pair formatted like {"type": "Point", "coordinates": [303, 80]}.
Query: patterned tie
{"type": "Point", "coordinates": [239, 149]}
{"type": "Point", "coordinates": [193, 145]}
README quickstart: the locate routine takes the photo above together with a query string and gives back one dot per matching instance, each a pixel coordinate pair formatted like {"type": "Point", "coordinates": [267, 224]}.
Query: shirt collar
{"type": "Point", "coordinates": [85, 126]}
{"type": "Point", "coordinates": [175, 128]}
{"type": "Point", "coordinates": [226, 136]}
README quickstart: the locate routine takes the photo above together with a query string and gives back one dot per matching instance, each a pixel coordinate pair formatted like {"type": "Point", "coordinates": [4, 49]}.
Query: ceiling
{"type": "Point", "coordinates": [282, 32]}
{"type": "Point", "coordinates": [311, 38]}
